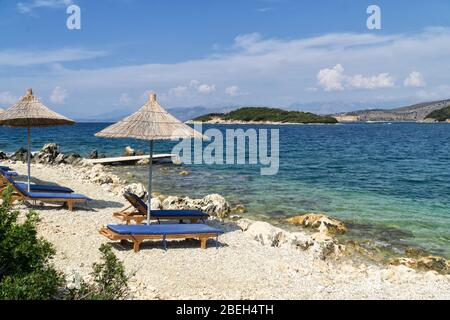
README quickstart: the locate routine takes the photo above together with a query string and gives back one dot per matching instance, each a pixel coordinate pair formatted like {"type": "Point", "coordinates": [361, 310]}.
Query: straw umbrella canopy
{"type": "Point", "coordinates": [30, 112]}
{"type": "Point", "coordinates": [151, 122]}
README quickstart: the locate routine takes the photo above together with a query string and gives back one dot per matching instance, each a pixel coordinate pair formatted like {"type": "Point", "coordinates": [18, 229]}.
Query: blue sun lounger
{"type": "Point", "coordinates": [35, 187]}
{"type": "Point", "coordinates": [139, 233]}
{"type": "Point", "coordinates": [5, 168]}
{"type": "Point", "coordinates": [69, 199]}
{"type": "Point", "coordinates": [43, 188]}
{"type": "Point", "coordinates": [141, 212]}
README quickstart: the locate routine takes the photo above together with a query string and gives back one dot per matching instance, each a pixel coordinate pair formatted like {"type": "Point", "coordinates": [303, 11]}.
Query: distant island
{"type": "Point", "coordinates": [417, 112]}
{"type": "Point", "coordinates": [265, 115]}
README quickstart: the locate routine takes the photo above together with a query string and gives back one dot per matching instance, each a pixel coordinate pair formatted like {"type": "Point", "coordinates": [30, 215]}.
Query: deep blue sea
{"type": "Point", "coordinates": [389, 182]}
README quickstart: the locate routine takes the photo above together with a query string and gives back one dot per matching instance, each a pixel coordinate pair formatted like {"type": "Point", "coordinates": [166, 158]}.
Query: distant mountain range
{"type": "Point", "coordinates": [416, 112]}
{"type": "Point", "coordinates": [183, 114]}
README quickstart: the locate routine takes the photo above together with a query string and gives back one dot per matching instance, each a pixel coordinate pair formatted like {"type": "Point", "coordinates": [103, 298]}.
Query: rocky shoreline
{"type": "Point", "coordinates": [314, 243]}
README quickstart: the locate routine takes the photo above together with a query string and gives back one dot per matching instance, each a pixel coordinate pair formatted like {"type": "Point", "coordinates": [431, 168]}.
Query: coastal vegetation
{"type": "Point", "coordinates": [262, 114]}
{"type": "Point", "coordinates": [26, 270]}
{"type": "Point", "coordinates": [440, 115]}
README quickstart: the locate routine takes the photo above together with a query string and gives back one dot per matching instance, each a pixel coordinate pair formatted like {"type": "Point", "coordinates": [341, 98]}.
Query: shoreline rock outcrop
{"type": "Point", "coordinates": [129, 151]}
{"type": "Point", "coordinates": [319, 222]}
{"type": "Point", "coordinates": [49, 154]}
{"type": "Point", "coordinates": [427, 263]}
{"type": "Point", "coordinates": [212, 204]}
{"type": "Point", "coordinates": [269, 235]}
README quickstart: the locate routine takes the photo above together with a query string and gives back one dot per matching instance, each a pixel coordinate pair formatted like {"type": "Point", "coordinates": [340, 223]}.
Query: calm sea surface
{"type": "Point", "coordinates": [389, 182]}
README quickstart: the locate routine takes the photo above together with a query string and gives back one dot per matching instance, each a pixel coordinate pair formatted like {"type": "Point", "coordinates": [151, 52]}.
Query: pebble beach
{"type": "Point", "coordinates": [254, 260]}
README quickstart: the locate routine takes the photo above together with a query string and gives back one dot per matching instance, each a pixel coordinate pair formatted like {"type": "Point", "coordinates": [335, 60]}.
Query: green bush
{"type": "Point", "coordinates": [109, 280]}
{"type": "Point", "coordinates": [26, 272]}
{"type": "Point", "coordinates": [25, 268]}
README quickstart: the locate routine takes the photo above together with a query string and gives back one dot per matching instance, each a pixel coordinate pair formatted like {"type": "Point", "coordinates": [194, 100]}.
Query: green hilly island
{"type": "Point", "coordinates": [262, 114]}
{"type": "Point", "coordinates": [440, 115]}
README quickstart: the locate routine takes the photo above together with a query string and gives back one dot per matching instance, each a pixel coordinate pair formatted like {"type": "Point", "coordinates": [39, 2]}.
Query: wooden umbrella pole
{"type": "Point", "coordinates": [150, 165]}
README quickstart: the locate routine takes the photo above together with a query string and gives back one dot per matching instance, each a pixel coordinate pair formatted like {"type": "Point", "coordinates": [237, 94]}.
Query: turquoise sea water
{"type": "Point", "coordinates": [388, 182]}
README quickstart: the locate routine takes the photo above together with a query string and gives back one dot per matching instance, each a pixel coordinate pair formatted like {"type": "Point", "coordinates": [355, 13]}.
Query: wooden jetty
{"type": "Point", "coordinates": [130, 159]}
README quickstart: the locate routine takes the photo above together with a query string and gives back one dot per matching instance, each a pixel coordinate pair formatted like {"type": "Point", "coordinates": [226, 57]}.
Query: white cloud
{"type": "Point", "coordinates": [206, 88]}
{"type": "Point", "coordinates": [274, 71]}
{"type": "Point", "coordinates": [27, 7]}
{"type": "Point", "coordinates": [382, 80]}
{"type": "Point", "coordinates": [35, 57]}
{"type": "Point", "coordinates": [332, 79]}
{"type": "Point", "coordinates": [124, 99]}
{"type": "Point", "coordinates": [194, 83]}
{"type": "Point", "coordinates": [58, 95]}
{"type": "Point", "coordinates": [7, 98]}
{"type": "Point", "coordinates": [232, 91]}
{"type": "Point", "coordinates": [178, 91]}
{"type": "Point", "coordinates": [267, 9]}
{"type": "Point", "coordinates": [335, 79]}
{"type": "Point", "coordinates": [415, 79]}
{"type": "Point", "coordinates": [201, 88]}
{"type": "Point", "coordinates": [247, 40]}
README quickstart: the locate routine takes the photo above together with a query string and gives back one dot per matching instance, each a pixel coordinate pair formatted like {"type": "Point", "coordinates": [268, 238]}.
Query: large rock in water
{"type": "Point", "coordinates": [214, 204]}
{"type": "Point", "coordinates": [181, 203]}
{"type": "Point", "coordinates": [129, 151]}
{"type": "Point", "coordinates": [320, 222]}
{"type": "Point", "coordinates": [3, 156]}
{"type": "Point", "coordinates": [50, 148]}
{"type": "Point", "coordinates": [20, 155]}
{"type": "Point", "coordinates": [47, 154]}
{"type": "Point", "coordinates": [136, 188]}
{"type": "Point", "coordinates": [156, 204]}
{"type": "Point", "coordinates": [93, 154]}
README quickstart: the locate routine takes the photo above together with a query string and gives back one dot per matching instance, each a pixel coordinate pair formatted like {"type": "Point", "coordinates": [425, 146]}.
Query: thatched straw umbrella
{"type": "Point", "coordinates": [30, 112]}
{"type": "Point", "coordinates": [151, 122]}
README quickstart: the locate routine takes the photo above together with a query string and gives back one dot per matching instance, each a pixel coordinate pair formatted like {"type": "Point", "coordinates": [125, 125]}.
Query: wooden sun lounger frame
{"type": "Point", "coordinates": [138, 239]}
{"type": "Point", "coordinates": [138, 217]}
{"type": "Point", "coordinates": [3, 181]}
{"type": "Point", "coordinates": [18, 195]}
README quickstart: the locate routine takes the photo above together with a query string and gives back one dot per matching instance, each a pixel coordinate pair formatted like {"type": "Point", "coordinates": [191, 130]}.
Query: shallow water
{"type": "Point", "coordinates": [390, 183]}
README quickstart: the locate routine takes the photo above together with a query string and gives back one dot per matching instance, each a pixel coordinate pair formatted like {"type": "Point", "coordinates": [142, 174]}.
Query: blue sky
{"type": "Point", "coordinates": [318, 55]}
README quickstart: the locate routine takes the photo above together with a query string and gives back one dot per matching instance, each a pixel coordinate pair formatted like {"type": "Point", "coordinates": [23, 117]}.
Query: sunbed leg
{"type": "Point", "coordinates": [217, 242]}
{"type": "Point", "coordinates": [203, 243]}
{"type": "Point", "coordinates": [136, 244]}
{"type": "Point", "coordinates": [70, 205]}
